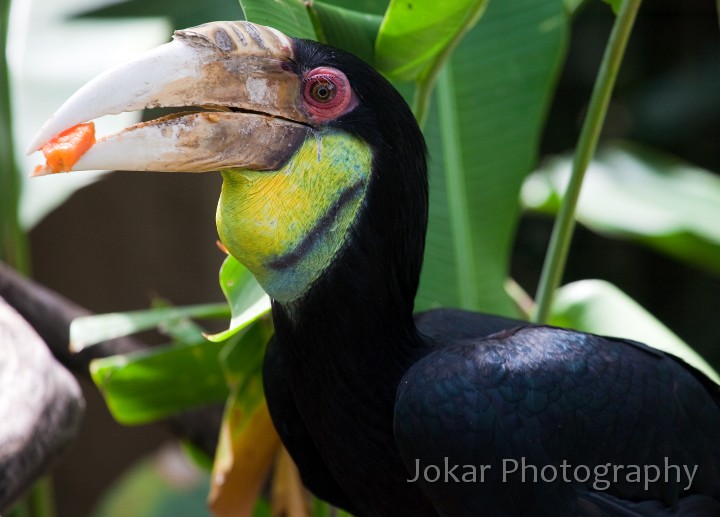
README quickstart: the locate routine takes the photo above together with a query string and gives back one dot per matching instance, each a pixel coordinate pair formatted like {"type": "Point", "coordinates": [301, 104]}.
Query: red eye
{"type": "Point", "coordinates": [327, 94]}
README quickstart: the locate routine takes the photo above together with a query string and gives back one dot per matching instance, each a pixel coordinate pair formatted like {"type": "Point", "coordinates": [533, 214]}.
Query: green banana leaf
{"type": "Point", "coordinates": [288, 16]}
{"type": "Point", "coordinates": [414, 35]}
{"type": "Point", "coordinates": [151, 384]}
{"type": "Point", "coordinates": [90, 330]}
{"type": "Point", "coordinates": [483, 136]}
{"type": "Point", "coordinates": [601, 308]}
{"type": "Point", "coordinates": [347, 29]}
{"type": "Point", "coordinates": [246, 298]}
{"type": "Point", "coordinates": [631, 192]}
{"type": "Point", "coordinates": [145, 386]}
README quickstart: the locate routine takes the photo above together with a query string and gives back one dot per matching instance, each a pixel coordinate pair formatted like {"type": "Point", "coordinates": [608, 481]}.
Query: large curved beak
{"type": "Point", "coordinates": [237, 71]}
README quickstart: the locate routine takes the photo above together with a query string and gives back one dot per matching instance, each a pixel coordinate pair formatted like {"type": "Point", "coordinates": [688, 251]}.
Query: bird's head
{"type": "Point", "coordinates": [318, 152]}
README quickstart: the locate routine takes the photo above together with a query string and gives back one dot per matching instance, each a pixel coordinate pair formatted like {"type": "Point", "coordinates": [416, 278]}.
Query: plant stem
{"type": "Point", "coordinates": [41, 502]}
{"type": "Point", "coordinates": [38, 503]}
{"type": "Point", "coordinates": [315, 21]}
{"type": "Point", "coordinates": [587, 143]}
{"type": "Point", "coordinates": [13, 243]}
{"type": "Point", "coordinates": [421, 101]}
{"type": "Point", "coordinates": [524, 303]}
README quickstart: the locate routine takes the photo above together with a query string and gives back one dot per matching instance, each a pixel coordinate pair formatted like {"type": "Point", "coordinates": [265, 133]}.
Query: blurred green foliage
{"type": "Point", "coordinates": [13, 242]}
{"type": "Point", "coordinates": [496, 77]}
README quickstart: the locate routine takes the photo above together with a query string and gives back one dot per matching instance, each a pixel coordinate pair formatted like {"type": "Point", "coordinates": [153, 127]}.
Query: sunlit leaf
{"type": "Point", "coordinates": [415, 32]}
{"type": "Point", "coordinates": [155, 383]}
{"type": "Point", "coordinates": [90, 330]}
{"type": "Point", "coordinates": [482, 142]}
{"type": "Point", "coordinates": [288, 16]}
{"type": "Point", "coordinates": [182, 331]}
{"type": "Point", "coordinates": [248, 443]}
{"type": "Point", "coordinates": [246, 298]}
{"type": "Point", "coordinates": [634, 193]}
{"type": "Point", "coordinates": [601, 308]}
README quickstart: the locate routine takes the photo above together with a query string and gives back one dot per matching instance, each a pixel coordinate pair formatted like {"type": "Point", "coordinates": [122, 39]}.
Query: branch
{"type": "Point", "coordinates": [556, 257]}
{"type": "Point", "coordinates": [41, 407]}
{"type": "Point", "coordinates": [50, 315]}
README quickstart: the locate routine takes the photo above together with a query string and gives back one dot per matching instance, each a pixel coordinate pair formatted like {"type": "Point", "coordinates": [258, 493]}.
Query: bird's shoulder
{"type": "Point", "coordinates": [444, 327]}
{"type": "Point", "coordinates": [538, 370]}
{"type": "Point", "coordinates": [550, 395]}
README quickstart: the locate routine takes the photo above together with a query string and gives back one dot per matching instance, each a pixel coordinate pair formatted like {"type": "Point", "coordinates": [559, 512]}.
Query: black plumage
{"type": "Point", "coordinates": [361, 390]}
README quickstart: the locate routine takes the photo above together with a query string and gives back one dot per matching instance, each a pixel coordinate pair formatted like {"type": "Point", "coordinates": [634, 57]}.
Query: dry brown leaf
{"type": "Point", "coordinates": [244, 456]}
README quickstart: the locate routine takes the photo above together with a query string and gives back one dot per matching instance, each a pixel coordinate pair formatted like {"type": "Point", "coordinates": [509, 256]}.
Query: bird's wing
{"type": "Point", "coordinates": [505, 407]}
{"type": "Point", "coordinates": [604, 505]}
{"type": "Point", "coordinates": [295, 436]}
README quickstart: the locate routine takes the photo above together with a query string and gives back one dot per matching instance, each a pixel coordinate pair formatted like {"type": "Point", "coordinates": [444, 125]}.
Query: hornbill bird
{"type": "Point", "coordinates": [447, 412]}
